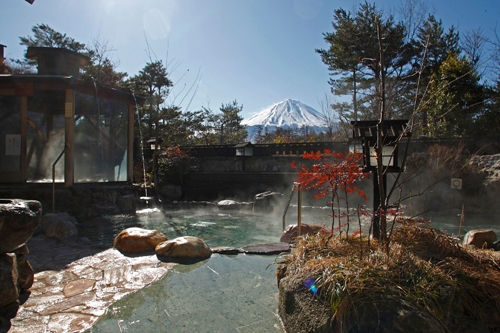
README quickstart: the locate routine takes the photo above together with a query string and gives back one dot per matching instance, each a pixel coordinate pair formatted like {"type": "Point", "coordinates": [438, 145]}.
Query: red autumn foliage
{"type": "Point", "coordinates": [332, 172]}
{"type": "Point", "coordinates": [174, 152]}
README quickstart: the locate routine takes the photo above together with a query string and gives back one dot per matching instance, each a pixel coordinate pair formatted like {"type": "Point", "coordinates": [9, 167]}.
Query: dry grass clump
{"type": "Point", "coordinates": [424, 267]}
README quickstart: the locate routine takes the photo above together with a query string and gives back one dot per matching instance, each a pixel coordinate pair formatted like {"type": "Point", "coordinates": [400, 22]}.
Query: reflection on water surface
{"type": "Point", "coordinates": [216, 229]}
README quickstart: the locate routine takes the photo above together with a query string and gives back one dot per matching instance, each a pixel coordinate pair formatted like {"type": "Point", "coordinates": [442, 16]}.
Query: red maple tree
{"type": "Point", "coordinates": [335, 174]}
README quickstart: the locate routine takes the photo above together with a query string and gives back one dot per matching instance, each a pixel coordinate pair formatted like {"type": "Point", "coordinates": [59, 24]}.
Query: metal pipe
{"type": "Point", "coordinates": [54, 178]}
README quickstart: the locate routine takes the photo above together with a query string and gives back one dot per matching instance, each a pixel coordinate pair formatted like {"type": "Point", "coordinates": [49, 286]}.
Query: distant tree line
{"type": "Point", "coordinates": [450, 84]}
{"type": "Point", "coordinates": [293, 135]}
{"type": "Point", "coordinates": [160, 120]}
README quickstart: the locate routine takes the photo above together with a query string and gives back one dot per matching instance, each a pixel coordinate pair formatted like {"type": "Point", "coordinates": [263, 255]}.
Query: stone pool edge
{"type": "Point", "coordinates": [72, 299]}
{"type": "Point", "coordinates": [75, 285]}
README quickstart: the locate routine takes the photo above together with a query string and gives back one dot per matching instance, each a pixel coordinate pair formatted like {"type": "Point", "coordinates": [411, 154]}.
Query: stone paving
{"type": "Point", "coordinates": [75, 284]}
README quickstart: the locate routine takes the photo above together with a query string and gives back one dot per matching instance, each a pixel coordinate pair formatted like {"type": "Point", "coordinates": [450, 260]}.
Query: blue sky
{"type": "Point", "coordinates": [258, 52]}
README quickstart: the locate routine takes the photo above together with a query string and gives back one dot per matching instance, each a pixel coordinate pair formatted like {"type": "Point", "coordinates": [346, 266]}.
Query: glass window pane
{"type": "Point", "coordinates": [10, 134]}
{"type": "Point", "coordinates": [45, 135]}
{"type": "Point", "coordinates": [387, 158]}
{"type": "Point", "coordinates": [101, 129]}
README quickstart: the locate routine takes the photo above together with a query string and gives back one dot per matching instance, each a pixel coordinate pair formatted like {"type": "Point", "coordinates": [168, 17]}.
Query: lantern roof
{"type": "Point", "coordinates": [391, 129]}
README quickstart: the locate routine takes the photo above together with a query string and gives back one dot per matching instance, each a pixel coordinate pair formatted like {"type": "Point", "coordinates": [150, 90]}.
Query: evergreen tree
{"type": "Point", "coordinates": [431, 47]}
{"type": "Point", "coordinates": [101, 68]}
{"type": "Point", "coordinates": [456, 99]}
{"type": "Point", "coordinates": [342, 57]}
{"type": "Point", "coordinates": [354, 55]}
{"type": "Point", "coordinates": [152, 82]}
{"type": "Point", "coordinates": [227, 124]}
{"type": "Point", "coordinates": [205, 132]}
{"type": "Point", "coordinates": [45, 36]}
{"type": "Point", "coordinates": [487, 123]}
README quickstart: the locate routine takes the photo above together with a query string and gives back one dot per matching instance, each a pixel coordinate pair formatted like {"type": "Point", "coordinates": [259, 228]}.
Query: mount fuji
{"type": "Point", "coordinates": [288, 114]}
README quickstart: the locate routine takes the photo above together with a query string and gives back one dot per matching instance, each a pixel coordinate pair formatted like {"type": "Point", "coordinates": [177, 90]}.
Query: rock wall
{"type": "Point", "coordinates": [18, 221]}
{"type": "Point", "coordinates": [82, 201]}
{"type": "Point", "coordinates": [240, 186]}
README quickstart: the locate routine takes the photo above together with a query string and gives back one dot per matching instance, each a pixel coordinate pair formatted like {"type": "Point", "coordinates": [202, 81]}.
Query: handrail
{"type": "Point", "coordinates": [54, 178]}
{"type": "Point", "coordinates": [299, 207]}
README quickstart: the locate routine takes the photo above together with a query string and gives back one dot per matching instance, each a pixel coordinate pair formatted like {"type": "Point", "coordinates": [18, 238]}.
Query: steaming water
{"type": "Point", "coordinates": [450, 223]}
{"type": "Point", "coordinates": [215, 228]}
{"type": "Point", "coordinates": [226, 293]}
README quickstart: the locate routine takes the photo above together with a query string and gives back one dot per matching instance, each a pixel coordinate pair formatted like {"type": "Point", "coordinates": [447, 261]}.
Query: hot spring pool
{"type": "Point", "coordinates": [215, 228]}
{"type": "Point", "coordinates": [225, 293]}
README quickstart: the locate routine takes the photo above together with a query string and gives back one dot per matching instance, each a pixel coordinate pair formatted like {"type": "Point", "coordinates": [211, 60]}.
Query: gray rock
{"type": "Point", "coordinates": [26, 274]}
{"type": "Point", "coordinates": [102, 195]}
{"type": "Point", "coordinates": [231, 205]}
{"type": "Point", "coordinates": [9, 291]}
{"type": "Point", "coordinates": [85, 241]}
{"type": "Point", "coordinates": [265, 202]}
{"type": "Point", "coordinates": [18, 221]}
{"type": "Point", "coordinates": [127, 204]}
{"type": "Point", "coordinates": [103, 208]}
{"type": "Point", "coordinates": [66, 216]}
{"type": "Point", "coordinates": [272, 248]}
{"type": "Point", "coordinates": [61, 229]}
{"type": "Point", "coordinates": [226, 204]}
{"type": "Point", "coordinates": [226, 250]}
{"type": "Point", "coordinates": [187, 247]}
{"type": "Point", "coordinates": [51, 218]}
{"type": "Point", "coordinates": [290, 233]}
{"type": "Point", "coordinates": [480, 238]}
{"type": "Point", "coordinates": [171, 192]}
{"type": "Point", "coordinates": [47, 220]}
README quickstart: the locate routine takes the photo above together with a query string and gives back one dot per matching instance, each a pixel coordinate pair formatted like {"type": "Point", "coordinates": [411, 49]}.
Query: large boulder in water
{"type": "Point", "coordinates": [50, 218]}
{"type": "Point", "coordinates": [480, 238]}
{"type": "Point", "coordinates": [59, 225]}
{"type": "Point", "coordinates": [61, 229]}
{"type": "Point", "coordinates": [231, 205]}
{"type": "Point", "coordinates": [18, 221]}
{"type": "Point", "coordinates": [134, 240]}
{"type": "Point", "coordinates": [127, 203]}
{"type": "Point", "coordinates": [267, 201]}
{"type": "Point", "coordinates": [291, 231]}
{"type": "Point", "coordinates": [187, 247]}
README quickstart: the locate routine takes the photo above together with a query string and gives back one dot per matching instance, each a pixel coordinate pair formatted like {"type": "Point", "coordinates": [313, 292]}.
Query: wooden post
{"type": "Point", "coordinates": [299, 211]}
{"type": "Point", "coordinates": [69, 137]}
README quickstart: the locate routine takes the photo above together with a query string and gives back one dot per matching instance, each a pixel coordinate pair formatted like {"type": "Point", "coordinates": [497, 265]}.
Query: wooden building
{"type": "Point", "coordinates": [56, 113]}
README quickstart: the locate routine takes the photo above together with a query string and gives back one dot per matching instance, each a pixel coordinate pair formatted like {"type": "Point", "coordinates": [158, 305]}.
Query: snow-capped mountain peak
{"type": "Point", "coordinates": [290, 114]}
{"type": "Point", "coordinates": [286, 113]}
